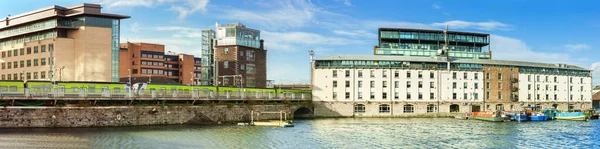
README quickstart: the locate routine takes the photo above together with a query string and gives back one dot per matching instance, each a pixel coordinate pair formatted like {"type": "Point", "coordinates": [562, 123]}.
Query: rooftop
{"type": "Point", "coordinates": [443, 59]}
{"type": "Point", "coordinates": [434, 31]}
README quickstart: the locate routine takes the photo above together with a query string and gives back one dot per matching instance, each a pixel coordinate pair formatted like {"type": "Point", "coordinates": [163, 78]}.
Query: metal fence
{"type": "Point", "coordinates": [45, 93]}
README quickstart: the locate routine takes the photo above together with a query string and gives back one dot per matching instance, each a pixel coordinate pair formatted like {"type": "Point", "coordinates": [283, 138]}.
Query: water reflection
{"type": "Point", "coordinates": [321, 133]}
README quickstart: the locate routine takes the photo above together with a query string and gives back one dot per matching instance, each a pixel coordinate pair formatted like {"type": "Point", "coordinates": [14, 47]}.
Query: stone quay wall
{"type": "Point", "coordinates": [12, 117]}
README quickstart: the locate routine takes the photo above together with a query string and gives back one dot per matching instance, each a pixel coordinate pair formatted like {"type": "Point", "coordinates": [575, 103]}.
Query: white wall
{"type": "Point", "coordinates": [581, 87]}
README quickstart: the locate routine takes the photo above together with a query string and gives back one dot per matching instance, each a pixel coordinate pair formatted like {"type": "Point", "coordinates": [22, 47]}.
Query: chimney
{"type": "Point", "coordinates": [262, 44]}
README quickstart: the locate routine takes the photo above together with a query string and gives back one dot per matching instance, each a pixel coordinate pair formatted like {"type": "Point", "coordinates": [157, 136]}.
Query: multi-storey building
{"type": "Point", "coordinates": [240, 55]}
{"type": "Point", "coordinates": [77, 43]}
{"type": "Point", "coordinates": [147, 60]}
{"type": "Point", "coordinates": [389, 85]}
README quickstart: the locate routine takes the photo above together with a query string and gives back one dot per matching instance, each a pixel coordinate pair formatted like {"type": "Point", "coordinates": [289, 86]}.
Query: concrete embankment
{"type": "Point", "coordinates": [11, 117]}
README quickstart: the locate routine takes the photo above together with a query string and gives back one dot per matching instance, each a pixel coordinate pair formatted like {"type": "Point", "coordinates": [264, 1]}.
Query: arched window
{"type": "Point", "coordinates": [454, 108]}
{"type": "Point", "coordinates": [571, 107]}
{"type": "Point", "coordinates": [499, 107]}
{"type": "Point", "coordinates": [359, 108]}
{"type": "Point", "coordinates": [384, 108]}
{"type": "Point", "coordinates": [555, 106]}
{"type": "Point", "coordinates": [409, 109]}
{"type": "Point", "coordinates": [431, 108]}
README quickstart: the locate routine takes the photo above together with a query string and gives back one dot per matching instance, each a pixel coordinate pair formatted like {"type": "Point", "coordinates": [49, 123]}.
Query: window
{"type": "Point", "coordinates": [359, 84]}
{"type": "Point", "coordinates": [408, 95]}
{"type": "Point", "coordinates": [499, 76]}
{"type": "Point", "coordinates": [537, 79]}
{"type": "Point", "coordinates": [384, 84]}
{"type": "Point", "coordinates": [581, 89]}
{"type": "Point", "coordinates": [359, 95]}
{"type": "Point", "coordinates": [396, 95]}
{"type": "Point", "coordinates": [28, 63]}
{"type": "Point", "coordinates": [546, 79]}
{"type": "Point", "coordinates": [499, 96]}
{"type": "Point", "coordinates": [35, 75]}
{"type": "Point", "coordinates": [453, 75]}
{"type": "Point", "coordinates": [384, 95]}
{"type": "Point", "coordinates": [487, 76]}
{"type": "Point", "coordinates": [347, 84]}
{"type": "Point", "coordinates": [360, 74]}
{"type": "Point", "coordinates": [43, 75]}
{"type": "Point", "coordinates": [22, 64]}
{"type": "Point", "coordinates": [454, 96]}
{"type": "Point", "coordinates": [396, 84]}
{"type": "Point", "coordinates": [407, 84]}
{"type": "Point", "coordinates": [529, 78]}
{"type": "Point", "coordinates": [334, 73]}
{"type": "Point", "coordinates": [372, 73]}
{"type": "Point", "coordinates": [420, 96]}
{"type": "Point", "coordinates": [487, 85]}
{"type": "Point", "coordinates": [396, 74]}
{"type": "Point", "coordinates": [547, 87]}
{"type": "Point", "coordinates": [9, 54]}
{"type": "Point", "coordinates": [431, 96]}
{"type": "Point", "coordinates": [465, 96]}
{"type": "Point", "coordinates": [4, 55]}
{"type": "Point", "coordinates": [3, 67]}
{"type": "Point", "coordinates": [465, 75]}
{"type": "Point", "coordinates": [454, 85]}
{"type": "Point", "coordinates": [528, 86]}
{"type": "Point", "coordinates": [372, 95]}
{"type": "Point", "coordinates": [334, 83]}
{"type": "Point", "coordinates": [29, 50]}
{"type": "Point", "coordinates": [334, 95]}
{"type": "Point", "coordinates": [420, 74]}
{"type": "Point", "coordinates": [420, 84]}
{"type": "Point", "coordinates": [409, 108]}
{"type": "Point", "coordinates": [225, 50]}
{"type": "Point", "coordinates": [581, 80]}
{"type": "Point", "coordinates": [43, 61]}
{"type": "Point", "coordinates": [407, 74]}
{"type": "Point", "coordinates": [431, 75]}
{"type": "Point", "coordinates": [250, 55]}
{"type": "Point", "coordinates": [225, 64]}
{"type": "Point", "coordinates": [347, 95]}
{"type": "Point", "coordinates": [241, 53]}
{"type": "Point", "coordinates": [476, 85]}
{"type": "Point", "coordinates": [571, 88]}
{"type": "Point", "coordinates": [476, 76]}
{"type": "Point", "coordinates": [465, 85]}
{"type": "Point", "coordinates": [487, 95]}
{"type": "Point", "coordinates": [431, 85]}
{"type": "Point", "coordinates": [359, 108]}
{"type": "Point", "coordinates": [384, 74]}
{"type": "Point", "coordinates": [555, 88]}
{"type": "Point", "coordinates": [35, 62]}
{"type": "Point", "coordinates": [9, 65]}
{"type": "Point", "coordinates": [15, 64]}
{"type": "Point", "coordinates": [29, 75]}
{"type": "Point", "coordinates": [547, 97]}
{"type": "Point", "coordinates": [475, 96]}
{"type": "Point", "coordinates": [430, 108]}
{"type": "Point", "coordinates": [384, 108]}
{"type": "Point", "coordinates": [22, 51]}
{"type": "Point", "coordinates": [372, 84]}
{"type": "Point", "coordinates": [347, 73]}
{"type": "Point", "coordinates": [15, 52]}
{"type": "Point", "coordinates": [499, 85]}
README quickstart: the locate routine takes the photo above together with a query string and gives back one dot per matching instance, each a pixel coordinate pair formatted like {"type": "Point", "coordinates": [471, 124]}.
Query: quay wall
{"type": "Point", "coordinates": [325, 109]}
{"type": "Point", "coordinates": [12, 117]}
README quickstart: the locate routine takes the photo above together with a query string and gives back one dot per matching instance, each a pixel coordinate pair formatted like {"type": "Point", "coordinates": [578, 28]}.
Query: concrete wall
{"type": "Point", "coordinates": [133, 115]}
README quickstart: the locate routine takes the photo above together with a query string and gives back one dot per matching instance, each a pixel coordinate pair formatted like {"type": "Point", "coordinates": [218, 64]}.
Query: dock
{"type": "Point", "coordinates": [282, 122]}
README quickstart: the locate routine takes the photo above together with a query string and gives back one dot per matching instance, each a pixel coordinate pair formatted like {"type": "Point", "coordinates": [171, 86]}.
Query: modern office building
{"type": "Point", "coordinates": [150, 60]}
{"type": "Point", "coordinates": [76, 43]}
{"type": "Point", "coordinates": [420, 83]}
{"type": "Point", "coordinates": [241, 59]}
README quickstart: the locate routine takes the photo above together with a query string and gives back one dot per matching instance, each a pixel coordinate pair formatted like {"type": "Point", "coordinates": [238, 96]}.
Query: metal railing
{"type": "Point", "coordinates": [101, 94]}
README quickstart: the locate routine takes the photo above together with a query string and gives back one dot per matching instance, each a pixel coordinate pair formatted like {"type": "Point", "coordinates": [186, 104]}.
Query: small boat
{"type": "Point", "coordinates": [517, 116]}
{"type": "Point", "coordinates": [591, 114]}
{"type": "Point", "coordinates": [574, 116]}
{"type": "Point", "coordinates": [550, 113]}
{"type": "Point", "coordinates": [491, 116]}
{"type": "Point", "coordinates": [538, 116]}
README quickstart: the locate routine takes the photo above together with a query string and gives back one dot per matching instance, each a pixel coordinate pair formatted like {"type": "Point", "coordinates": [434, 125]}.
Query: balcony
{"type": "Point", "coordinates": [514, 80]}
{"type": "Point", "coordinates": [514, 98]}
{"type": "Point", "coordinates": [514, 89]}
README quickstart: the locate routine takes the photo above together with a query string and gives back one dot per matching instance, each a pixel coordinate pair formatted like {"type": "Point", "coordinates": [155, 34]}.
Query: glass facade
{"type": "Point", "coordinates": [406, 42]}
{"type": "Point", "coordinates": [206, 76]}
{"type": "Point", "coordinates": [238, 34]}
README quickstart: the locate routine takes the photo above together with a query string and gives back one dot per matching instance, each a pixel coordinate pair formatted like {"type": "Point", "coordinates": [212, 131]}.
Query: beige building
{"type": "Point", "coordinates": [77, 43]}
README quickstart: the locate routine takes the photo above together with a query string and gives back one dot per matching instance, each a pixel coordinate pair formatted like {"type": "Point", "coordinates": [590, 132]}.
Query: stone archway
{"type": "Point", "coordinates": [303, 113]}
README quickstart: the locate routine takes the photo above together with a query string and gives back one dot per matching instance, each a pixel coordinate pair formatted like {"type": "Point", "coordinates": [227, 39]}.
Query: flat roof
{"type": "Point", "coordinates": [431, 30]}
{"type": "Point", "coordinates": [443, 60]}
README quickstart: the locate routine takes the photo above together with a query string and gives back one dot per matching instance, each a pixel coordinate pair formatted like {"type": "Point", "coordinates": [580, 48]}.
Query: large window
{"type": "Point", "coordinates": [226, 64]}
{"type": "Point", "coordinates": [409, 108]}
{"type": "Point", "coordinates": [430, 108]}
{"type": "Point", "coordinates": [359, 108]}
{"type": "Point", "coordinates": [384, 108]}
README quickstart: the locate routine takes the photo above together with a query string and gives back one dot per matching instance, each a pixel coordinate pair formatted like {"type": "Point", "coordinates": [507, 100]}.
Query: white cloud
{"type": "Point", "coordinates": [506, 48]}
{"type": "Point", "coordinates": [577, 47]}
{"type": "Point", "coordinates": [356, 33]}
{"type": "Point", "coordinates": [191, 6]}
{"type": "Point", "coordinates": [306, 38]}
{"type": "Point", "coordinates": [458, 24]}
{"type": "Point", "coordinates": [436, 6]}
{"type": "Point", "coordinates": [283, 15]}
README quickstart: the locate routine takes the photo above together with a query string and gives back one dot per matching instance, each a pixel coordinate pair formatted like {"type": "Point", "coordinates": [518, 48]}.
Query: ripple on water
{"type": "Point", "coordinates": [321, 133]}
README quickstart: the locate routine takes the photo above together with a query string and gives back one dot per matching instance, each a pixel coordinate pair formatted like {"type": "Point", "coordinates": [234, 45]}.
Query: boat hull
{"type": "Point", "coordinates": [572, 118]}
{"type": "Point", "coordinates": [538, 118]}
{"type": "Point", "coordinates": [491, 119]}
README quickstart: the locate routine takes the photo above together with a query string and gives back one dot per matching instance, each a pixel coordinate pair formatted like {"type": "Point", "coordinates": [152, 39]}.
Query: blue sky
{"type": "Point", "coordinates": [539, 31]}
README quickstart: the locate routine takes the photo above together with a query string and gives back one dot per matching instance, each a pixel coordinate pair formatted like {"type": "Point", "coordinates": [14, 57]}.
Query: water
{"type": "Point", "coordinates": [321, 133]}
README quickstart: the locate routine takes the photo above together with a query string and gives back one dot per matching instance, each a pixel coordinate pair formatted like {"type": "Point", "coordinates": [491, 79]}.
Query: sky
{"type": "Point", "coordinates": [537, 31]}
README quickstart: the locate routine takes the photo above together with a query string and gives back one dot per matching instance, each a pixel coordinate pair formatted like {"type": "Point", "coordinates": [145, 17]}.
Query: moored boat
{"type": "Point", "coordinates": [538, 116]}
{"type": "Point", "coordinates": [518, 116]}
{"type": "Point", "coordinates": [491, 116]}
{"type": "Point", "coordinates": [574, 116]}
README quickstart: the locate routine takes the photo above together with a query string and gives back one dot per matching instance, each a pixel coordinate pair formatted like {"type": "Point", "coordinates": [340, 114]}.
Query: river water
{"type": "Point", "coordinates": [321, 133]}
